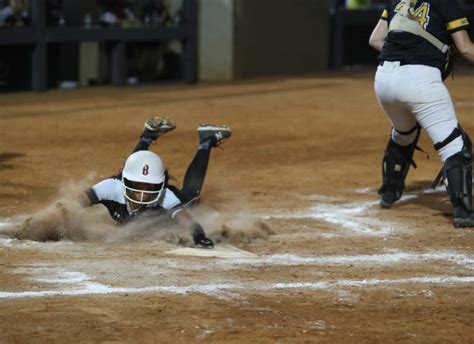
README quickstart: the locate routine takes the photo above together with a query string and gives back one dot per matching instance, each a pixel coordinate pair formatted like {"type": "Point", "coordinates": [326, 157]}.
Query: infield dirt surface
{"type": "Point", "coordinates": [295, 186]}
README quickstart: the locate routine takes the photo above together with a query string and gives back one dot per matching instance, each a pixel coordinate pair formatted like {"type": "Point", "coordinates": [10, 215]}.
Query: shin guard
{"type": "Point", "coordinates": [395, 166]}
{"type": "Point", "coordinates": [458, 175]}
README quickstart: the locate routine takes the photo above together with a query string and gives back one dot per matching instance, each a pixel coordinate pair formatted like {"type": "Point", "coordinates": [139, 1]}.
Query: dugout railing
{"type": "Point", "coordinates": [39, 35]}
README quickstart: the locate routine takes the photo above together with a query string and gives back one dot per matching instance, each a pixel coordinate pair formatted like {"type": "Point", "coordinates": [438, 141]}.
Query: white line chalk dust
{"type": "Point", "coordinates": [350, 216]}
{"type": "Point", "coordinates": [91, 288]}
{"type": "Point", "coordinates": [353, 216]}
{"type": "Point", "coordinates": [74, 283]}
{"type": "Point", "coordinates": [384, 259]}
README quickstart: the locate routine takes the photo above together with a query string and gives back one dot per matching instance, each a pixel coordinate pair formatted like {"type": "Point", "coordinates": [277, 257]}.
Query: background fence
{"type": "Point", "coordinates": [70, 43]}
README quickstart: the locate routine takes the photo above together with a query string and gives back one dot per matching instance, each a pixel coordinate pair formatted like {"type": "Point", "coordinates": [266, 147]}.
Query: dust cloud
{"type": "Point", "coordinates": [233, 223]}
{"type": "Point", "coordinates": [66, 219]}
{"type": "Point", "coordinates": [63, 219]}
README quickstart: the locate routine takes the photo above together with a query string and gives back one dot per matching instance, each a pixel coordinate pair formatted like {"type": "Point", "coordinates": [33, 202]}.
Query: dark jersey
{"type": "Point", "coordinates": [109, 192]}
{"type": "Point", "coordinates": [439, 17]}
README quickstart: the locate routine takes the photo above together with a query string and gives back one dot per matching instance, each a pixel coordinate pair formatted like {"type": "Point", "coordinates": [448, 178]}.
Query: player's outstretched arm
{"type": "Point", "coordinates": [377, 37]}
{"type": "Point", "coordinates": [197, 231]}
{"type": "Point", "coordinates": [464, 45]}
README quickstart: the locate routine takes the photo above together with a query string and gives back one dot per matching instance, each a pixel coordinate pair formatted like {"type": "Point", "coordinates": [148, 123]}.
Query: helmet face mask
{"type": "Point", "coordinates": [143, 178]}
{"type": "Point", "coordinates": [142, 193]}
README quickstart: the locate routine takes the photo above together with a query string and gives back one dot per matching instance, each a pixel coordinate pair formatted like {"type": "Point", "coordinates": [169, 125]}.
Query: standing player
{"type": "Point", "coordinates": [141, 187]}
{"type": "Point", "coordinates": [413, 38]}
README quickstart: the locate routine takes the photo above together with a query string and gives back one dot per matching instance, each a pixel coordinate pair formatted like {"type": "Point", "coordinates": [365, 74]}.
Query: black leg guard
{"type": "Point", "coordinates": [458, 174]}
{"type": "Point", "coordinates": [395, 166]}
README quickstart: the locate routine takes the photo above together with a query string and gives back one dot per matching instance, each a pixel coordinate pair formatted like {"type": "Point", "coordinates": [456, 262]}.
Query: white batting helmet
{"type": "Point", "coordinates": [143, 177]}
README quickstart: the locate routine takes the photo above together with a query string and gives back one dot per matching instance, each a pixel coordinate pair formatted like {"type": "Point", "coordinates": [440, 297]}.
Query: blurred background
{"type": "Point", "coordinates": [79, 43]}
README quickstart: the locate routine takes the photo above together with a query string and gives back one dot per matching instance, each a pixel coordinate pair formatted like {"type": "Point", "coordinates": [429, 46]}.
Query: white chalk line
{"type": "Point", "coordinates": [289, 259]}
{"type": "Point", "coordinates": [92, 288]}
{"type": "Point", "coordinates": [6, 225]}
{"type": "Point", "coordinates": [392, 258]}
{"type": "Point", "coordinates": [85, 285]}
{"type": "Point", "coordinates": [352, 216]}
{"type": "Point", "coordinates": [411, 195]}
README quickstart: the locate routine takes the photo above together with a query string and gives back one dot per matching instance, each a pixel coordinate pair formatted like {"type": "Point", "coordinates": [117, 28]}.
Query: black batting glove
{"type": "Point", "coordinates": [199, 237]}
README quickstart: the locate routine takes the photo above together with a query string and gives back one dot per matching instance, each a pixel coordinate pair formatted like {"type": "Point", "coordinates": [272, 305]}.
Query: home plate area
{"type": "Point", "coordinates": [221, 251]}
{"type": "Point", "coordinates": [264, 266]}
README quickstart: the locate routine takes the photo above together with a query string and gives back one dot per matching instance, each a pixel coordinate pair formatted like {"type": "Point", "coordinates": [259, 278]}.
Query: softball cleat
{"type": "Point", "coordinates": [217, 134]}
{"type": "Point", "coordinates": [157, 126]}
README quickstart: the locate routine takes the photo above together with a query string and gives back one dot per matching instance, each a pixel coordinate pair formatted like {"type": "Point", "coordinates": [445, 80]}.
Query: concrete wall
{"type": "Point", "coordinates": [215, 39]}
{"type": "Point", "coordinates": [280, 37]}
{"type": "Point", "coordinates": [252, 38]}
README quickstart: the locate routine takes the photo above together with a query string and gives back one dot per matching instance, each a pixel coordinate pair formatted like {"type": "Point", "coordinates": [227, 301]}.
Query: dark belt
{"type": "Point", "coordinates": [402, 63]}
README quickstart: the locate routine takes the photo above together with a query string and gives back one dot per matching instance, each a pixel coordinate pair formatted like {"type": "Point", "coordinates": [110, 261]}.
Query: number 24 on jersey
{"type": "Point", "coordinates": [422, 13]}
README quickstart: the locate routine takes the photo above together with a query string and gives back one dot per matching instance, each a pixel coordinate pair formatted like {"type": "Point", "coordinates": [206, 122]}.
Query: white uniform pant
{"type": "Point", "coordinates": [416, 93]}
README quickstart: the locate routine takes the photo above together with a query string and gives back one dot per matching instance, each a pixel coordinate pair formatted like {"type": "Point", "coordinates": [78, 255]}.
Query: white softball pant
{"type": "Point", "coordinates": [416, 93]}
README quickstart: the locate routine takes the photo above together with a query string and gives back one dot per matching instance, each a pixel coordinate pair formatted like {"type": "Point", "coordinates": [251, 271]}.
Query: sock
{"type": "Point", "coordinates": [205, 145]}
{"type": "Point", "coordinates": [143, 144]}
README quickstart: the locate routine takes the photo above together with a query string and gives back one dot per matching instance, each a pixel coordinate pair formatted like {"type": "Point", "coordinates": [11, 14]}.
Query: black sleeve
{"type": "Point", "coordinates": [454, 16]}
{"type": "Point", "coordinates": [90, 193]}
{"type": "Point", "coordinates": [386, 11]}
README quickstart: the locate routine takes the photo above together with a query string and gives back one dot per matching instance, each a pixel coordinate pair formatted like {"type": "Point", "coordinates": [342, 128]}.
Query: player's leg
{"type": "Point", "coordinates": [404, 136]}
{"type": "Point", "coordinates": [152, 129]}
{"type": "Point", "coordinates": [209, 136]}
{"type": "Point", "coordinates": [454, 147]}
{"type": "Point", "coordinates": [398, 158]}
{"type": "Point", "coordinates": [458, 173]}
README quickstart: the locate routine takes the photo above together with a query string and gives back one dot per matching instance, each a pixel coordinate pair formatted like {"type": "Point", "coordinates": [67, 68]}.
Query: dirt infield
{"type": "Point", "coordinates": [295, 186]}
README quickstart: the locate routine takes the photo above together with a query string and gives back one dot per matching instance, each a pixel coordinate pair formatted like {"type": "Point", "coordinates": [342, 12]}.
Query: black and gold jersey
{"type": "Point", "coordinates": [439, 17]}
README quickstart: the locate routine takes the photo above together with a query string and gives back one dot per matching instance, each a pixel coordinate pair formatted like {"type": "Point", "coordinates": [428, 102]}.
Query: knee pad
{"type": "Point", "coordinates": [405, 138]}
{"type": "Point", "coordinates": [453, 143]}
{"type": "Point", "coordinates": [395, 166]}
